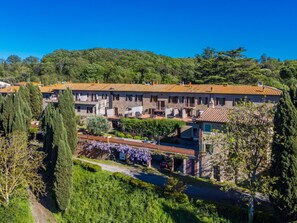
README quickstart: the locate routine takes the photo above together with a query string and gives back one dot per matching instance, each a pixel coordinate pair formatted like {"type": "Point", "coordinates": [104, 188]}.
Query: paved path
{"type": "Point", "coordinates": [204, 192]}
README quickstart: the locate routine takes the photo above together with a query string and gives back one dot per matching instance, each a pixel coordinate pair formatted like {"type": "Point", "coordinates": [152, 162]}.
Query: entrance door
{"type": "Point", "coordinates": [116, 111]}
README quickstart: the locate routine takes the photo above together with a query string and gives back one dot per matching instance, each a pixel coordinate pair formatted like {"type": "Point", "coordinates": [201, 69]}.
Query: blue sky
{"type": "Point", "coordinates": [169, 27]}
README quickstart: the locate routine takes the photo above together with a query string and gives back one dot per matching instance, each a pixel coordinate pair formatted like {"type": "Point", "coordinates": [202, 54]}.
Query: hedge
{"type": "Point", "coordinates": [150, 127]}
{"type": "Point", "coordinates": [87, 166]}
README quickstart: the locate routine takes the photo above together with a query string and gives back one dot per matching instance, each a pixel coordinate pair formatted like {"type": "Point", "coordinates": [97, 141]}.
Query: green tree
{"type": "Point", "coordinates": [66, 107]}
{"type": "Point", "coordinates": [63, 164]}
{"type": "Point", "coordinates": [19, 166]}
{"type": "Point", "coordinates": [284, 159]}
{"type": "Point", "coordinates": [243, 151]}
{"type": "Point", "coordinates": [59, 157]}
{"type": "Point", "coordinates": [98, 125]}
{"type": "Point", "coordinates": [35, 100]}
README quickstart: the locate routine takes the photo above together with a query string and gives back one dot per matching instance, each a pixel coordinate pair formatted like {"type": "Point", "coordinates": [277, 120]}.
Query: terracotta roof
{"type": "Point", "coordinates": [174, 88]}
{"type": "Point", "coordinates": [218, 115]}
{"type": "Point", "coordinates": [10, 89]}
{"type": "Point", "coordinates": [162, 88]}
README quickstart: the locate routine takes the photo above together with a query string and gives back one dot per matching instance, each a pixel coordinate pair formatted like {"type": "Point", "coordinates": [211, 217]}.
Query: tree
{"type": "Point", "coordinates": [98, 125]}
{"type": "Point", "coordinates": [35, 100]}
{"type": "Point", "coordinates": [243, 151]}
{"type": "Point", "coordinates": [59, 159]}
{"type": "Point", "coordinates": [19, 165]}
{"type": "Point", "coordinates": [284, 159]}
{"type": "Point", "coordinates": [66, 107]}
{"type": "Point", "coordinates": [63, 164]}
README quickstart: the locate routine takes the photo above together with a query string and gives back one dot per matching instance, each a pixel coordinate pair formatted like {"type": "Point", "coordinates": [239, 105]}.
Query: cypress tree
{"type": "Point", "coordinates": [284, 159]}
{"type": "Point", "coordinates": [7, 114]}
{"type": "Point", "coordinates": [66, 107]}
{"type": "Point", "coordinates": [59, 159]}
{"type": "Point", "coordinates": [35, 100]}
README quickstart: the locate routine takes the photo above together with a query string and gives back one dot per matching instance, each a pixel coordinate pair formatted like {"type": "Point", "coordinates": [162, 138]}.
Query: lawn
{"type": "Point", "coordinates": [18, 211]}
{"type": "Point", "coordinates": [103, 197]}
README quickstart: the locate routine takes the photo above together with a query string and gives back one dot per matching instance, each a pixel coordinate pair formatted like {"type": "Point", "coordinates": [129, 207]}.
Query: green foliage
{"type": "Point", "coordinates": [17, 212]}
{"type": "Point", "coordinates": [284, 158]}
{"type": "Point", "coordinates": [134, 66]}
{"type": "Point", "coordinates": [150, 127]}
{"type": "Point", "coordinates": [87, 166]}
{"type": "Point", "coordinates": [15, 112]}
{"type": "Point", "coordinates": [175, 185]}
{"type": "Point", "coordinates": [98, 125]}
{"type": "Point", "coordinates": [112, 198]}
{"type": "Point", "coordinates": [66, 107]}
{"type": "Point", "coordinates": [59, 157]}
{"type": "Point", "coordinates": [35, 100]}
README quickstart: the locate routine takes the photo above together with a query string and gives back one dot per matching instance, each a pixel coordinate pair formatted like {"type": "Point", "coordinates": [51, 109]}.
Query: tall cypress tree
{"type": "Point", "coordinates": [7, 114]}
{"type": "Point", "coordinates": [284, 158]}
{"type": "Point", "coordinates": [59, 159]}
{"type": "Point", "coordinates": [35, 100]}
{"type": "Point", "coordinates": [66, 107]}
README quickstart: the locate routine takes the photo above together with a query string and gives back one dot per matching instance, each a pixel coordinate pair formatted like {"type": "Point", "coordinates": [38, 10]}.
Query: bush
{"type": "Point", "coordinates": [150, 127]}
{"type": "Point", "coordinates": [87, 166]}
{"type": "Point", "coordinates": [120, 134]}
{"type": "Point", "coordinates": [136, 137]}
{"type": "Point", "coordinates": [98, 125]}
{"type": "Point", "coordinates": [129, 136]}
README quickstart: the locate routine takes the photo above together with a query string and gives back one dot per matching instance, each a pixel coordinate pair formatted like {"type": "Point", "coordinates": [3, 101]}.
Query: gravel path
{"type": "Point", "coordinates": [39, 212]}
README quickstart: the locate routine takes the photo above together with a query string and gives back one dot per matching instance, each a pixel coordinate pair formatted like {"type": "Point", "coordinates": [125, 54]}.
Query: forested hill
{"type": "Point", "coordinates": [132, 66]}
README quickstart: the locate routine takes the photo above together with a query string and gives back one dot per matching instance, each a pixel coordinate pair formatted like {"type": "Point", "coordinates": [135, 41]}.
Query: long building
{"type": "Point", "coordinates": [203, 107]}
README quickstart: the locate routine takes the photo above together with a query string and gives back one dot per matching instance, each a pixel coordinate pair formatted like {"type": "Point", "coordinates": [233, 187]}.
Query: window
{"type": "Point", "coordinates": [154, 98]}
{"type": "Point", "coordinates": [207, 128]}
{"type": "Point", "coordinates": [138, 97]}
{"type": "Point", "coordinates": [78, 108]}
{"type": "Point", "coordinates": [116, 97]}
{"type": "Point", "coordinates": [182, 99]}
{"type": "Point", "coordinates": [199, 101]}
{"type": "Point", "coordinates": [89, 109]}
{"type": "Point", "coordinates": [208, 148]}
{"type": "Point", "coordinates": [104, 96]}
{"type": "Point", "coordinates": [220, 101]}
{"type": "Point", "coordinates": [175, 100]}
{"type": "Point", "coordinates": [206, 101]}
{"type": "Point", "coordinates": [129, 97]}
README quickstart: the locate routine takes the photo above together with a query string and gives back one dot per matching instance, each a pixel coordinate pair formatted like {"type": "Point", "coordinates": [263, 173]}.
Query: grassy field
{"type": "Point", "coordinates": [17, 212]}
{"type": "Point", "coordinates": [101, 197]}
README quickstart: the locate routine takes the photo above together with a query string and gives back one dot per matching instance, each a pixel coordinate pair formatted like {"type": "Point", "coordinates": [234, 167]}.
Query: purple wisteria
{"type": "Point", "coordinates": [134, 154]}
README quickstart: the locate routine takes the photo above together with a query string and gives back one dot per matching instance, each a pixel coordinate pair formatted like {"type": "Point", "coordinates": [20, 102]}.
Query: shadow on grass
{"type": "Point", "coordinates": [180, 215]}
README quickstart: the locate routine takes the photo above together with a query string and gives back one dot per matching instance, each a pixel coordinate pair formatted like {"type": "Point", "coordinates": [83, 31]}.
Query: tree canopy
{"type": "Point", "coordinates": [134, 66]}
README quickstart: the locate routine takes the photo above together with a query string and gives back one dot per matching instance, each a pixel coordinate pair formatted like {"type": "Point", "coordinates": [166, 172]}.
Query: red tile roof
{"type": "Point", "coordinates": [218, 115]}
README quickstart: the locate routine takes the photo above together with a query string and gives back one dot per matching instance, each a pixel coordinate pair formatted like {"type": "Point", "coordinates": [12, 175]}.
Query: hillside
{"type": "Point", "coordinates": [133, 66]}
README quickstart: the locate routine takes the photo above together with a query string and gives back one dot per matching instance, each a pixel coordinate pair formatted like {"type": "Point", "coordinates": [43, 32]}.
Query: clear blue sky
{"type": "Point", "coordinates": [169, 27]}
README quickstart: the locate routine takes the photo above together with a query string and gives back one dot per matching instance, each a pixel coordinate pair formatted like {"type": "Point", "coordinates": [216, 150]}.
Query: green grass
{"type": "Point", "coordinates": [102, 197]}
{"type": "Point", "coordinates": [18, 211]}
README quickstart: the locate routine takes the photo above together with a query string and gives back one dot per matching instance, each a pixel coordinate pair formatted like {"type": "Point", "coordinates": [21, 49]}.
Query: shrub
{"type": "Point", "coordinates": [120, 134]}
{"type": "Point", "coordinates": [150, 127]}
{"type": "Point", "coordinates": [87, 166]}
{"type": "Point", "coordinates": [129, 136]}
{"type": "Point", "coordinates": [136, 137]}
{"type": "Point", "coordinates": [98, 125]}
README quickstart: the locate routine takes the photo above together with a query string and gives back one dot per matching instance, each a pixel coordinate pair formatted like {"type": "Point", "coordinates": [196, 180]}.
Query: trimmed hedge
{"type": "Point", "coordinates": [150, 127]}
{"type": "Point", "coordinates": [87, 166]}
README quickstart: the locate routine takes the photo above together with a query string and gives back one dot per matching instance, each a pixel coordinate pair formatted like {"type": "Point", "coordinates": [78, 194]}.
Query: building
{"type": "Point", "coordinates": [202, 107]}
